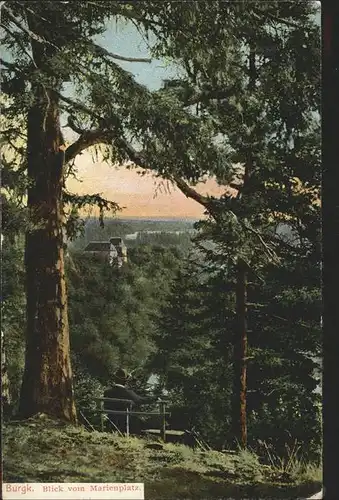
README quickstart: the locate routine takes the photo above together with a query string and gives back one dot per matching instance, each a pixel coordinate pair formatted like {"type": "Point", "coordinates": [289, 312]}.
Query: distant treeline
{"type": "Point", "coordinates": [163, 239]}
{"type": "Point", "coordinates": [168, 232]}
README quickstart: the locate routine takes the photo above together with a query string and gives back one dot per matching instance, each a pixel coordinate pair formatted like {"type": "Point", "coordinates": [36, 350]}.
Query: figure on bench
{"type": "Point", "coordinates": [120, 391]}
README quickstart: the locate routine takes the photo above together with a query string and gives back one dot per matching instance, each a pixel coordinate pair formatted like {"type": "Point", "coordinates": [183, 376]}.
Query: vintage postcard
{"type": "Point", "coordinates": [161, 250]}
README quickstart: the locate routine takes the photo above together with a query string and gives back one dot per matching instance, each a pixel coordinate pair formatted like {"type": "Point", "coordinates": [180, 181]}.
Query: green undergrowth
{"type": "Point", "coordinates": [43, 450]}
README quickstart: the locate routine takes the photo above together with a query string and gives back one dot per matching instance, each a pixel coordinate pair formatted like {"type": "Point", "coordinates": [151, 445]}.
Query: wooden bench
{"type": "Point", "coordinates": [172, 436]}
{"type": "Point", "coordinates": [162, 414]}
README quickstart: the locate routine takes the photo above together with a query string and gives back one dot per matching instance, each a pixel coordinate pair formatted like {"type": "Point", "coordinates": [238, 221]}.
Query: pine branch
{"type": "Point", "coordinates": [19, 41]}
{"type": "Point", "coordinates": [271, 253]}
{"type": "Point", "coordinates": [101, 51]}
{"type": "Point", "coordinates": [88, 111]}
{"type": "Point", "coordinates": [250, 269]}
{"type": "Point", "coordinates": [71, 124]}
{"type": "Point", "coordinates": [89, 138]}
{"type": "Point", "coordinates": [86, 140]}
{"type": "Point", "coordinates": [190, 192]}
{"type": "Point", "coordinates": [207, 95]}
{"type": "Point", "coordinates": [23, 28]}
{"type": "Point", "coordinates": [80, 201]}
{"type": "Point", "coordinates": [9, 65]}
{"type": "Point", "coordinates": [287, 320]}
{"type": "Point", "coordinates": [280, 20]}
{"type": "Point", "coordinates": [35, 14]}
{"type": "Point", "coordinates": [97, 48]}
{"type": "Point", "coordinates": [273, 17]}
{"type": "Point", "coordinates": [210, 205]}
{"type": "Point", "coordinates": [133, 16]}
{"type": "Point", "coordinates": [101, 135]}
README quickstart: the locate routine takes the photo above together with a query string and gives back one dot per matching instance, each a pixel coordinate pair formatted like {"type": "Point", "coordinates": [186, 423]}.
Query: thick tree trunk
{"type": "Point", "coordinates": [47, 380]}
{"type": "Point", "coordinates": [239, 362]}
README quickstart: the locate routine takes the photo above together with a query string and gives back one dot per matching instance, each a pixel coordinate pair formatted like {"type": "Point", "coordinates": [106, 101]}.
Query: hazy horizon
{"type": "Point", "coordinates": [138, 195]}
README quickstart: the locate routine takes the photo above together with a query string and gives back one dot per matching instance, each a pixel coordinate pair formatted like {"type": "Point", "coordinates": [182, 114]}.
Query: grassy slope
{"type": "Point", "coordinates": [41, 450]}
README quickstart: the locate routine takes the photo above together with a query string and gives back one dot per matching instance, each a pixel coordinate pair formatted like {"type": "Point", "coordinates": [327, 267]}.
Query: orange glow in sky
{"type": "Point", "coordinates": [142, 196]}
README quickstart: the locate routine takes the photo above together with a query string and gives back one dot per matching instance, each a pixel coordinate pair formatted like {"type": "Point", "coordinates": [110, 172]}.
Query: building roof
{"type": "Point", "coordinates": [106, 246]}
{"type": "Point", "coordinates": [117, 241]}
{"type": "Point", "coordinates": [98, 246]}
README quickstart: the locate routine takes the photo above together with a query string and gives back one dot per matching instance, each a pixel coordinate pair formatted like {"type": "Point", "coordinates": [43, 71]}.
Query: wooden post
{"type": "Point", "coordinates": [127, 419]}
{"type": "Point", "coordinates": [102, 416]}
{"type": "Point", "coordinates": [163, 420]}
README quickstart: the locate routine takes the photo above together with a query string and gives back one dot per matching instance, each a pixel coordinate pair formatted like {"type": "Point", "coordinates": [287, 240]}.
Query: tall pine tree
{"type": "Point", "coordinates": [46, 46]}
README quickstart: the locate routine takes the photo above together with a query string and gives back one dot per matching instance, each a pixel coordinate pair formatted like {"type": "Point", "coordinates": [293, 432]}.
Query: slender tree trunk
{"type": "Point", "coordinates": [47, 380]}
{"type": "Point", "coordinates": [239, 417]}
{"type": "Point", "coordinates": [5, 389]}
{"type": "Point", "coordinates": [240, 363]}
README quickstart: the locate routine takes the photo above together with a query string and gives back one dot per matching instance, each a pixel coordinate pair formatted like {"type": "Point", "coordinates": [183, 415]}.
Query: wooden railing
{"type": "Point", "coordinates": [129, 412]}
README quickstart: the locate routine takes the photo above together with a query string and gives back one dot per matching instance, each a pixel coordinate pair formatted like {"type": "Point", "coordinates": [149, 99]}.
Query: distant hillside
{"type": "Point", "coordinates": [134, 231]}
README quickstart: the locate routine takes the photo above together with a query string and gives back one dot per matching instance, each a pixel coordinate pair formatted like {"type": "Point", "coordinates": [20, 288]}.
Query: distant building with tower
{"type": "Point", "coordinates": [112, 251]}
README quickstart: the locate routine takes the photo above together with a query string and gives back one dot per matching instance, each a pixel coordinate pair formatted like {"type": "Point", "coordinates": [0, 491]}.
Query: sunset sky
{"type": "Point", "coordinates": [139, 195]}
{"type": "Point", "coordinates": [142, 196]}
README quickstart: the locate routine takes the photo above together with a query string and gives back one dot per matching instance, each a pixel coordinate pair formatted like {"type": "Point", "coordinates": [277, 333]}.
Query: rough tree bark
{"type": "Point", "coordinates": [47, 381]}
{"type": "Point", "coordinates": [239, 421]}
